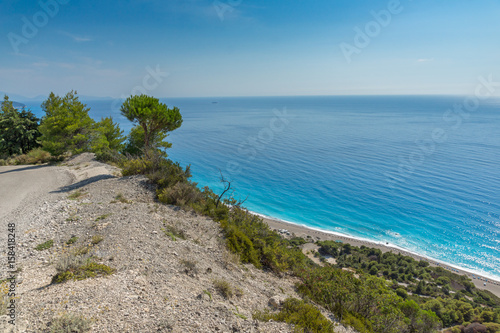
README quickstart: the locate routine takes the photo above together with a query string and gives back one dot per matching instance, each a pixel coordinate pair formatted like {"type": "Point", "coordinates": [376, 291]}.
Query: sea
{"type": "Point", "coordinates": [420, 173]}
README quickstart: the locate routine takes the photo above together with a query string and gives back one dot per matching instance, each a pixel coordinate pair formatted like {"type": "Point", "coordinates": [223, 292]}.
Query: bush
{"type": "Point", "coordinates": [70, 324]}
{"type": "Point", "coordinates": [138, 166]}
{"type": "Point", "coordinates": [239, 243]}
{"type": "Point", "coordinates": [44, 246]}
{"type": "Point", "coordinates": [356, 322]}
{"type": "Point", "coordinates": [402, 293]}
{"type": "Point", "coordinates": [224, 288]}
{"type": "Point", "coordinates": [158, 169]}
{"type": "Point", "coordinates": [181, 194]}
{"type": "Point", "coordinates": [110, 156]}
{"type": "Point", "coordinates": [304, 316]}
{"type": "Point", "coordinates": [173, 232]}
{"type": "Point", "coordinates": [79, 267]}
{"type": "Point", "coordinates": [96, 239]}
{"type": "Point", "coordinates": [72, 240]}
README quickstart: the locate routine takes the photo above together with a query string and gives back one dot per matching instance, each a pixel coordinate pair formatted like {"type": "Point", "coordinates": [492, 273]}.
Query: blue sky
{"type": "Point", "coordinates": [247, 48]}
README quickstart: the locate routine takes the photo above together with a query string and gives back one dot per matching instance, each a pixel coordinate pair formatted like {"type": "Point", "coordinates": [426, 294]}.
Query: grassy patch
{"type": "Point", "coordinates": [304, 316]}
{"type": "Point", "coordinates": [76, 195]}
{"type": "Point", "coordinates": [72, 240]}
{"type": "Point", "coordinates": [79, 267]}
{"type": "Point", "coordinates": [121, 198]}
{"type": "Point", "coordinates": [44, 246]}
{"type": "Point", "coordinates": [173, 232]}
{"type": "Point", "coordinates": [208, 293]}
{"type": "Point", "coordinates": [96, 239]}
{"type": "Point", "coordinates": [70, 323]}
{"type": "Point", "coordinates": [190, 266]}
{"type": "Point", "coordinates": [238, 314]}
{"type": "Point", "coordinates": [224, 288]}
{"type": "Point", "coordinates": [73, 218]}
{"type": "Point", "coordinates": [102, 217]}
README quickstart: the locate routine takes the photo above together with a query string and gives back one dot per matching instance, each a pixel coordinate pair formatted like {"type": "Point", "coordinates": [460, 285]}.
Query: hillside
{"type": "Point", "coordinates": [170, 269]}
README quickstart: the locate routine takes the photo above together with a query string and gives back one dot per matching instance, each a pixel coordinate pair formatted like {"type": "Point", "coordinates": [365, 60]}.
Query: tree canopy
{"type": "Point", "coordinates": [66, 125]}
{"type": "Point", "coordinates": [18, 129]}
{"type": "Point", "coordinates": [155, 119]}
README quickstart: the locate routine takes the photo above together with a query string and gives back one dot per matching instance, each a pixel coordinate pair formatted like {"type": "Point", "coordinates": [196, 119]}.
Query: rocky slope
{"type": "Point", "coordinates": [161, 283]}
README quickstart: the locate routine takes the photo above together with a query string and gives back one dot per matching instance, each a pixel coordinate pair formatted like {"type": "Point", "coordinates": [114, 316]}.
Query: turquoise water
{"type": "Point", "coordinates": [388, 169]}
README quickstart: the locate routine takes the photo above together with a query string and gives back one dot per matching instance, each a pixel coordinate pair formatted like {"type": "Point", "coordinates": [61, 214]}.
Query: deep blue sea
{"type": "Point", "coordinates": [417, 172]}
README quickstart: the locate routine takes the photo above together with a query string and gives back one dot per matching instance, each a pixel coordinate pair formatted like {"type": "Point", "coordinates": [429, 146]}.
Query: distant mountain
{"type": "Point", "coordinates": [18, 105]}
{"type": "Point", "coordinates": [44, 97]}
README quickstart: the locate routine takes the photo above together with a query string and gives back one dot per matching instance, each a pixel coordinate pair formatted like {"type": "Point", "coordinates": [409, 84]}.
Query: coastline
{"type": "Point", "coordinates": [298, 230]}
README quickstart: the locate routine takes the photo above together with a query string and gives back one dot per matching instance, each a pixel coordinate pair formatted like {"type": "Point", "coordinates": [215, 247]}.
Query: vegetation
{"type": "Point", "coordinates": [121, 198]}
{"type": "Point", "coordinates": [107, 140]}
{"type": "Point", "coordinates": [76, 195]}
{"type": "Point", "coordinates": [18, 130]}
{"type": "Point", "coordinates": [155, 118]}
{"type": "Point", "coordinates": [79, 267]}
{"type": "Point", "coordinates": [45, 245]}
{"type": "Point", "coordinates": [173, 232]}
{"type": "Point", "coordinates": [306, 317]}
{"type": "Point", "coordinates": [70, 323]}
{"type": "Point", "coordinates": [66, 125]}
{"type": "Point", "coordinates": [96, 239]}
{"type": "Point", "coordinates": [454, 298]}
{"type": "Point", "coordinates": [189, 266]}
{"type": "Point", "coordinates": [102, 217]}
{"type": "Point", "coordinates": [72, 240]}
{"type": "Point", "coordinates": [388, 292]}
{"type": "Point", "coordinates": [224, 288]}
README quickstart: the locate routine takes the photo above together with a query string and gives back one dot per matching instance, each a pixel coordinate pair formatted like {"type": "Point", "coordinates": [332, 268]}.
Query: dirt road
{"type": "Point", "coordinates": [27, 184]}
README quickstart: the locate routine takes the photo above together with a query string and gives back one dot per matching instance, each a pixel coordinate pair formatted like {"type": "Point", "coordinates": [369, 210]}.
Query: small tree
{"type": "Point", "coordinates": [18, 130]}
{"type": "Point", "coordinates": [154, 117]}
{"type": "Point", "coordinates": [66, 124]}
{"type": "Point", "coordinates": [135, 141]}
{"type": "Point", "coordinates": [106, 136]}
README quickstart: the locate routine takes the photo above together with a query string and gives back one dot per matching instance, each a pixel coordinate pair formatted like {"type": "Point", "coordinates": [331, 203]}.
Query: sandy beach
{"type": "Point", "coordinates": [301, 231]}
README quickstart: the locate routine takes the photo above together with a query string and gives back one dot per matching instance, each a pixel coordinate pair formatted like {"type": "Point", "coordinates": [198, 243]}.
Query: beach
{"type": "Point", "coordinates": [301, 231]}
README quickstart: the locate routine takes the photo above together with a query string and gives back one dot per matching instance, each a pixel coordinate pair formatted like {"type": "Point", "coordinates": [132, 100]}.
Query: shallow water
{"type": "Point", "coordinates": [367, 167]}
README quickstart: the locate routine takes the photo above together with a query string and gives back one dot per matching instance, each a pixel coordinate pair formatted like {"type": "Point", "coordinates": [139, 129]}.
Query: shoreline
{"type": "Point", "coordinates": [492, 284]}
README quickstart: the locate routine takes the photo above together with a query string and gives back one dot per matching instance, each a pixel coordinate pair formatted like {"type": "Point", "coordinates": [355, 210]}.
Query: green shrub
{"type": "Point", "coordinates": [70, 324]}
{"type": "Point", "coordinates": [492, 327]}
{"type": "Point", "coordinates": [189, 265]}
{"type": "Point", "coordinates": [110, 156]}
{"type": "Point", "coordinates": [160, 170]}
{"type": "Point", "coordinates": [102, 217]}
{"type": "Point", "coordinates": [356, 322]}
{"type": "Point", "coordinates": [96, 239]}
{"type": "Point", "coordinates": [304, 316]}
{"type": "Point", "coordinates": [181, 194]}
{"type": "Point", "coordinates": [120, 197]}
{"type": "Point", "coordinates": [139, 166]}
{"type": "Point", "coordinates": [239, 243]}
{"type": "Point", "coordinates": [224, 288]}
{"type": "Point", "coordinates": [44, 246]}
{"type": "Point", "coordinates": [173, 232]}
{"type": "Point", "coordinates": [76, 195]}
{"type": "Point", "coordinates": [402, 293]}
{"type": "Point", "coordinates": [79, 267]}
{"type": "Point", "coordinates": [72, 240]}
{"type": "Point", "coordinates": [35, 156]}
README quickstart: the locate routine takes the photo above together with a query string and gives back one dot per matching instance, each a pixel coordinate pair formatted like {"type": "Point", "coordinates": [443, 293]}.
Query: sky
{"type": "Point", "coordinates": [198, 48]}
